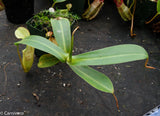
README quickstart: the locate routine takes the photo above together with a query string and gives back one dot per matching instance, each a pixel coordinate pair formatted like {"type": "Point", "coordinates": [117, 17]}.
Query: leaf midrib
{"type": "Point", "coordinates": [93, 79]}
{"type": "Point", "coordinates": [64, 43]}
{"type": "Point", "coordinates": [62, 56]}
{"type": "Point", "coordinates": [95, 58]}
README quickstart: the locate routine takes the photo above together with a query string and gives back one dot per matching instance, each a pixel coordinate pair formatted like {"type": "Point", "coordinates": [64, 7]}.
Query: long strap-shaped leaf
{"type": "Point", "coordinates": [45, 45]}
{"type": "Point", "coordinates": [62, 33]}
{"type": "Point", "coordinates": [94, 78]}
{"type": "Point", "coordinates": [111, 55]}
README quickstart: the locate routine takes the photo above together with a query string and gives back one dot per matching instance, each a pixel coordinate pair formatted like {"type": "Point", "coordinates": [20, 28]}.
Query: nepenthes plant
{"type": "Point", "coordinates": [80, 64]}
{"type": "Point", "coordinates": [127, 12]}
{"type": "Point", "coordinates": [123, 9]}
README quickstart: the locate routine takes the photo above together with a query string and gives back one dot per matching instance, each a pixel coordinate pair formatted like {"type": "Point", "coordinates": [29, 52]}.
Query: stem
{"type": "Point", "coordinates": [132, 21]}
{"type": "Point", "coordinates": [53, 4]}
{"type": "Point", "coordinates": [152, 18]}
{"type": "Point", "coordinates": [150, 67]}
{"type": "Point", "coordinates": [116, 101]}
{"type": "Point", "coordinates": [70, 54]}
{"type": "Point", "coordinates": [131, 5]}
{"type": "Point", "coordinates": [72, 42]}
{"type": "Point", "coordinates": [19, 55]}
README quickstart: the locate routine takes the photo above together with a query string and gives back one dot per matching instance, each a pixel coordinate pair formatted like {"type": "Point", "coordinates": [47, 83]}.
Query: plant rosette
{"type": "Point", "coordinates": [80, 64]}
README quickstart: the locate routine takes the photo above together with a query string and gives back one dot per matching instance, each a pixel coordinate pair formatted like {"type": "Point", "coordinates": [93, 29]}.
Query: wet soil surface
{"type": "Point", "coordinates": [57, 91]}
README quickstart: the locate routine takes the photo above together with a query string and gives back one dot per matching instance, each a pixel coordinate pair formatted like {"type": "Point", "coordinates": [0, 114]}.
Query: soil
{"type": "Point", "coordinates": [58, 91]}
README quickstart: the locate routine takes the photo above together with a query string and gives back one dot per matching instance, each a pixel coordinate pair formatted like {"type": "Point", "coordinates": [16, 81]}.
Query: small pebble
{"type": "Point", "coordinates": [80, 90]}
{"type": "Point", "coordinates": [68, 85]}
{"type": "Point", "coordinates": [47, 82]}
{"type": "Point", "coordinates": [18, 85]}
{"type": "Point", "coordinates": [64, 85]}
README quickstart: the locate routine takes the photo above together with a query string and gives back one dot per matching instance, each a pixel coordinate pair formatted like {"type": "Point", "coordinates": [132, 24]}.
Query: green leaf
{"type": "Point", "coordinates": [62, 33]}
{"type": "Point", "coordinates": [58, 1]}
{"type": "Point", "coordinates": [22, 33]}
{"type": "Point", "coordinates": [47, 60]}
{"type": "Point", "coordinates": [45, 45]}
{"type": "Point", "coordinates": [158, 6]}
{"type": "Point", "coordinates": [111, 55]}
{"type": "Point", "coordinates": [96, 79]}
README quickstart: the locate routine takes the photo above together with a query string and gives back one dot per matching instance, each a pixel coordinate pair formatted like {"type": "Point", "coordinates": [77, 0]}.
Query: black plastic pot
{"type": "Point", "coordinates": [35, 31]}
{"type": "Point", "coordinates": [19, 11]}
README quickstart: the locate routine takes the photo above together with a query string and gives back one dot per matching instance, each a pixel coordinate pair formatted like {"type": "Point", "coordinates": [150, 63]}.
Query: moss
{"type": "Point", "coordinates": [41, 20]}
